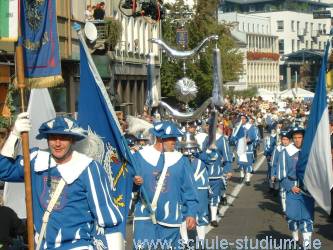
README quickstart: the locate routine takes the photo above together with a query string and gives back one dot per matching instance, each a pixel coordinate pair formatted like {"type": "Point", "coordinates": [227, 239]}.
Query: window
{"type": "Point", "coordinates": [306, 26]}
{"type": "Point", "coordinates": [319, 46]}
{"type": "Point", "coordinates": [298, 44]}
{"type": "Point", "coordinates": [297, 28]}
{"type": "Point", "coordinates": [306, 44]}
{"type": "Point", "coordinates": [312, 43]}
{"type": "Point", "coordinates": [280, 26]}
{"type": "Point", "coordinates": [324, 29]}
{"type": "Point", "coordinates": [292, 45]}
{"type": "Point", "coordinates": [281, 46]}
{"type": "Point", "coordinates": [252, 8]}
{"type": "Point", "coordinates": [292, 26]}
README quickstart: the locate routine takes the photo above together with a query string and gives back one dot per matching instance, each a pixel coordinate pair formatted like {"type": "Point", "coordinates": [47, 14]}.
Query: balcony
{"type": "Point", "coordinates": [108, 34]}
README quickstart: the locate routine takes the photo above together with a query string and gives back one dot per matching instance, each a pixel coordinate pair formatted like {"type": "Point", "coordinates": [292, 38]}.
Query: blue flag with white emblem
{"type": "Point", "coordinates": [314, 167]}
{"type": "Point", "coordinates": [96, 114]}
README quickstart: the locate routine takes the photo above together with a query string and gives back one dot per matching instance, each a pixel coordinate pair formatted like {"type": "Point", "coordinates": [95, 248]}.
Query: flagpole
{"type": "Point", "coordinates": [19, 64]}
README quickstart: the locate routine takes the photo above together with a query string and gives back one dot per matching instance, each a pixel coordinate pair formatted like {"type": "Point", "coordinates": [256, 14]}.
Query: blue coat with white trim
{"type": "Point", "coordinates": [270, 144]}
{"type": "Point", "coordinates": [299, 206]}
{"type": "Point", "coordinates": [178, 188]}
{"type": "Point", "coordinates": [275, 161]}
{"type": "Point", "coordinates": [222, 165]}
{"type": "Point", "coordinates": [85, 201]}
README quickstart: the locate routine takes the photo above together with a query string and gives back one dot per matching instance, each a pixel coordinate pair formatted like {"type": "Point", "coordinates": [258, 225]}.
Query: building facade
{"type": "Point", "coordinates": [301, 38]}
{"type": "Point", "coordinates": [260, 50]}
{"type": "Point", "coordinates": [124, 69]}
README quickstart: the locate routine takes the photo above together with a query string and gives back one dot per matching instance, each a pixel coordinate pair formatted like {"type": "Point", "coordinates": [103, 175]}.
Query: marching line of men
{"type": "Point", "coordinates": [282, 150]}
{"type": "Point", "coordinates": [186, 182]}
{"type": "Point", "coordinates": [184, 186]}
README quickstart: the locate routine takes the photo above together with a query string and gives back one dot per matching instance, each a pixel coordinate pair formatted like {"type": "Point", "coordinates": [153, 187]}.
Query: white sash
{"type": "Point", "coordinates": [49, 209]}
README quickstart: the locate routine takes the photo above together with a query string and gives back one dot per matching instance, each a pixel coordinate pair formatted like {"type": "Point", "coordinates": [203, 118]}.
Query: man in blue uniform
{"type": "Point", "coordinates": [167, 177]}
{"type": "Point", "coordinates": [275, 163]}
{"type": "Point", "coordinates": [219, 171]}
{"type": "Point", "coordinates": [299, 203]}
{"type": "Point", "coordinates": [84, 207]}
{"type": "Point", "coordinates": [199, 162]}
{"type": "Point", "coordinates": [245, 160]}
{"type": "Point", "coordinates": [270, 146]}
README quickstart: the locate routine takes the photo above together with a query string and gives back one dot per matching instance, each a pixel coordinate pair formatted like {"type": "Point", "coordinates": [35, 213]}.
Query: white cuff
{"type": "Point", "coordinates": [115, 241]}
{"type": "Point", "coordinates": [10, 148]}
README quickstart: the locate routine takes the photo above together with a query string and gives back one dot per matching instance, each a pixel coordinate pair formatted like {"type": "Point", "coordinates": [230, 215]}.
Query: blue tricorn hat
{"type": "Point", "coordinates": [165, 129]}
{"type": "Point", "coordinates": [141, 137]}
{"type": "Point", "coordinates": [61, 125]}
{"type": "Point", "coordinates": [296, 129]}
{"type": "Point", "coordinates": [285, 133]}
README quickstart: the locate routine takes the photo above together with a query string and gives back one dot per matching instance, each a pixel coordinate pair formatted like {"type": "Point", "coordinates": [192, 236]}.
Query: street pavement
{"type": "Point", "coordinates": [253, 218]}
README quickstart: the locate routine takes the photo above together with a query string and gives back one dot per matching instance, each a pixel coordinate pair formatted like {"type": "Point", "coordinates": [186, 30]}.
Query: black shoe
{"type": "Point", "coordinates": [247, 183]}
{"type": "Point", "coordinates": [224, 201]}
{"type": "Point", "coordinates": [214, 223]}
{"type": "Point", "coordinates": [241, 179]}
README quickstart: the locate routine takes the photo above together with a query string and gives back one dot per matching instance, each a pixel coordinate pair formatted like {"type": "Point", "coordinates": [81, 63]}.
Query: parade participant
{"type": "Point", "coordinates": [299, 203]}
{"type": "Point", "coordinates": [141, 140]}
{"type": "Point", "coordinates": [275, 170]}
{"type": "Point", "coordinates": [246, 163]}
{"type": "Point", "coordinates": [84, 205]}
{"type": "Point", "coordinates": [218, 173]}
{"type": "Point", "coordinates": [270, 144]}
{"type": "Point", "coordinates": [189, 148]}
{"type": "Point", "coordinates": [167, 176]}
{"type": "Point", "coordinates": [256, 142]}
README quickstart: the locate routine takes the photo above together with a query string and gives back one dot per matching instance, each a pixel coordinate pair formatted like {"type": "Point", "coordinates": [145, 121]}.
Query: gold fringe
{"type": "Point", "coordinates": [42, 82]}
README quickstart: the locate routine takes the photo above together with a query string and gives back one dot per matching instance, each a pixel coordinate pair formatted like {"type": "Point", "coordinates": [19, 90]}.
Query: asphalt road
{"type": "Point", "coordinates": [253, 219]}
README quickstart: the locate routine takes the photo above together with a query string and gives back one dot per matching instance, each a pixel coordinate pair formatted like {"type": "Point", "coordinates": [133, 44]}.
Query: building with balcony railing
{"type": "Point", "coordinates": [123, 65]}
{"type": "Point", "coordinates": [297, 31]}
{"type": "Point", "coordinates": [259, 48]}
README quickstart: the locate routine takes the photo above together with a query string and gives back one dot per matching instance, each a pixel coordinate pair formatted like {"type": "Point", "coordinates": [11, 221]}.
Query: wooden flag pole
{"type": "Point", "coordinates": [25, 144]}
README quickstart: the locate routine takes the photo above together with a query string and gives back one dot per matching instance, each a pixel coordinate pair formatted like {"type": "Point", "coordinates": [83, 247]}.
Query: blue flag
{"type": "Point", "coordinates": [40, 43]}
{"type": "Point", "coordinates": [314, 167]}
{"type": "Point", "coordinates": [96, 113]}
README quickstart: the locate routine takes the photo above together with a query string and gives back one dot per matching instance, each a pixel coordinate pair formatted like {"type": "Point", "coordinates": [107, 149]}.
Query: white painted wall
{"type": "Point", "coordinates": [295, 25]}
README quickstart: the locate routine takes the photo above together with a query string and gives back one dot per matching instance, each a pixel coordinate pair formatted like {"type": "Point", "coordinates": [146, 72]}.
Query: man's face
{"type": "Point", "coordinates": [191, 129]}
{"type": "Point", "coordinates": [285, 141]}
{"type": "Point", "coordinates": [59, 146]}
{"type": "Point", "coordinates": [169, 144]}
{"type": "Point", "coordinates": [142, 142]}
{"type": "Point", "coordinates": [298, 140]}
{"type": "Point", "coordinates": [243, 119]}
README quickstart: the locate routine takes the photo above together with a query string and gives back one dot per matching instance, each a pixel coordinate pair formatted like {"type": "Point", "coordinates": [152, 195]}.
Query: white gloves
{"type": "Point", "coordinates": [22, 124]}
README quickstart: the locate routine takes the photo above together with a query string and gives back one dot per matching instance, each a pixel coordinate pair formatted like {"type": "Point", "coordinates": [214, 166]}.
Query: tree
{"type": "Point", "coordinates": [202, 24]}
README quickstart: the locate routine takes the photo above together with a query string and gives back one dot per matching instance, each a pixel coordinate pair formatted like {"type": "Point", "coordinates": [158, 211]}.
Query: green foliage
{"type": "Point", "coordinates": [5, 122]}
{"type": "Point", "coordinates": [202, 24]}
{"type": "Point", "coordinates": [113, 31]}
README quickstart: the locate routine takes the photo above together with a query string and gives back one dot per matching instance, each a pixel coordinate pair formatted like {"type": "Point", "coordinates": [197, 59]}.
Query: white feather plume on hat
{"type": "Point", "coordinates": [137, 125]}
